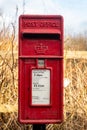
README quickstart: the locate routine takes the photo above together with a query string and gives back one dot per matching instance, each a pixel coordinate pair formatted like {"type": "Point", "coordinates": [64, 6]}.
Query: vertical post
{"type": "Point", "coordinates": [39, 127]}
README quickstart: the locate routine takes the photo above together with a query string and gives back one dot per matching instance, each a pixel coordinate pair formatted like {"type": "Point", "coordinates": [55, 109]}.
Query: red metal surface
{"type": "Point", "coordinates": [40, 37]}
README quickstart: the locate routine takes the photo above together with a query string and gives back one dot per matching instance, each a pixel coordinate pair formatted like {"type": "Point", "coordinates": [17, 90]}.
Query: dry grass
{"type": "Point", "coordinates": [8, 71]}
{"type": "Point", "coordinates": [75, 94]}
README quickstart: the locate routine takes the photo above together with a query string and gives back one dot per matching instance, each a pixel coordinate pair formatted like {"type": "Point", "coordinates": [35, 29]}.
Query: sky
{"type": "Point", "coordinates": [73, 11]}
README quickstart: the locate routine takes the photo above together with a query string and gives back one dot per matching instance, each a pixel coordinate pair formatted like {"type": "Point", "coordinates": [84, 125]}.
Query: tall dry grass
{"type": "Point", "coordinates": [8, 69]}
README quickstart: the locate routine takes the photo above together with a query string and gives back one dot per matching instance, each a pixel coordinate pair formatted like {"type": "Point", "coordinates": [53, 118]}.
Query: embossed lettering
{"type": "Point", "coordinates": [27, 24]}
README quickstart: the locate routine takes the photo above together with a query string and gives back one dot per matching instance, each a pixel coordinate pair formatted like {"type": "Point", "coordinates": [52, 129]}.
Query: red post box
{"type": "Point", "coordinates": [40, 69]}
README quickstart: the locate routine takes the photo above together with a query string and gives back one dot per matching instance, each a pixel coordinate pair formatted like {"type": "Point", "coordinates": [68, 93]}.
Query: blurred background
{"type": "Point", "coordinates": [75, 60]}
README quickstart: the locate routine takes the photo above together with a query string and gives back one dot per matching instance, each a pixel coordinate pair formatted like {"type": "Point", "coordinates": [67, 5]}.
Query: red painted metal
{"type": "Point", "coordinates": [40, 38]}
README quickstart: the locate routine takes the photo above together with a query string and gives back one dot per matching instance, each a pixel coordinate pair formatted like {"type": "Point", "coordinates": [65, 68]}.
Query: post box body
{"type": "Point", "coordinates": [40, 69]}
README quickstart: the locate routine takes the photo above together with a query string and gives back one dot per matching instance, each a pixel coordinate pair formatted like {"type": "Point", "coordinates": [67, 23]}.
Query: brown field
{"type": "Point", "coordinates": [75, 94]}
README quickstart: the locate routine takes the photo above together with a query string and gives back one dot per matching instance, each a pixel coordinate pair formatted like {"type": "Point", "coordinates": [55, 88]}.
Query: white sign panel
{"type": "Point", "coordinates": [40, 87]}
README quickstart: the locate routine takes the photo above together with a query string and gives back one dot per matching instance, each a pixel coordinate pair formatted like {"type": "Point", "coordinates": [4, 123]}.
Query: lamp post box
{"type": "Point", "coordinates": [40, 69]}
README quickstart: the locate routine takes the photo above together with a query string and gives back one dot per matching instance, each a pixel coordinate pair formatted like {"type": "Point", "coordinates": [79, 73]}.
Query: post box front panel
{"type": "Point", "coordinates": [38, 103]}
{"type": "Point", "coordinates": [41, 69]}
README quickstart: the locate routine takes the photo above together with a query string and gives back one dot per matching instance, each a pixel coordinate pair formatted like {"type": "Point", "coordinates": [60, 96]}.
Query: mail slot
{"type": "Point", "coordinates": [40, 69]}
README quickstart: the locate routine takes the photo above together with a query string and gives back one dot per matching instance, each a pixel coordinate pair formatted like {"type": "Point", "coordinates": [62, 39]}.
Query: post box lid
{"type": "Point", "coordinates": [43, 31]}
